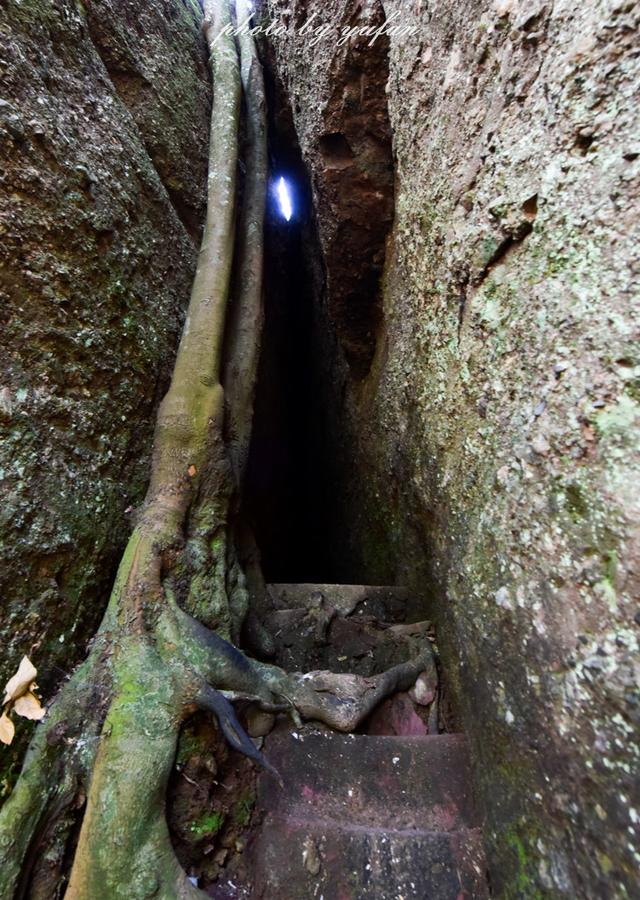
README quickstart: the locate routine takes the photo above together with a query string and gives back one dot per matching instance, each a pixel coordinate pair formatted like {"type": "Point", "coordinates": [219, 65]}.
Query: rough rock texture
{"type": "Point", "coordinates": [103, 139]}
{"type": "Point", "coordinates": [491, 453]}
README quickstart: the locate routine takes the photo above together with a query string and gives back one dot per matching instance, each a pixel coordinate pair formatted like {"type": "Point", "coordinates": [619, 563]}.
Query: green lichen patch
{"type": "Point", "coordinates": [208, 826]}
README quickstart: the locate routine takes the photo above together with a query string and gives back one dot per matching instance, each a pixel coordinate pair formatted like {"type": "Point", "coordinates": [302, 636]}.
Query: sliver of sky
{"type": "Point", "coordinates": [285, 199]}
{"type": "Point", "coordinates": [244, 8]}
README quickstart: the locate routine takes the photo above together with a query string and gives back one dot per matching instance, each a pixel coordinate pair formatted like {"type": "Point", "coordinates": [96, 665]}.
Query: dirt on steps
{"type": "Point", "coordinates": [300, 860]}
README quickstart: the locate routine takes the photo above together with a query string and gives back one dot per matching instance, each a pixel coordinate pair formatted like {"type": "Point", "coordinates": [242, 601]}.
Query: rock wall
{"type": "Point", "coordinates": [491, 454]}
{"type": "Point", "coordinates": [103, 140]}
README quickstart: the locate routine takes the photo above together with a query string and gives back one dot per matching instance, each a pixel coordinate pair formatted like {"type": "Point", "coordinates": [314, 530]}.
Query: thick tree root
{"type": "Point", "coordinates": [157, 681]}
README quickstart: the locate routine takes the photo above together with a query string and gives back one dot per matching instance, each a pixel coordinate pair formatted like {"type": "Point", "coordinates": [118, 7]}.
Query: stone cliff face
{"type": "Point", "coordinates": [490, 443]}
{"type": "Point", "coordinates": [104, 131]}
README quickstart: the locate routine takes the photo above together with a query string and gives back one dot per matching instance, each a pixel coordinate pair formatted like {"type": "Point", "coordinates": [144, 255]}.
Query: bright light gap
{"type": "Point", "coordinates": [285, 201]}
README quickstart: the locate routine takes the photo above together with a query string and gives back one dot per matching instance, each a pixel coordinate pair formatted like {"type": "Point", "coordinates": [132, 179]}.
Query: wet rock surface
{"type": "Point", "coordinates": [103, 138]}
{"type": "Point", "coordinates": [491, 455]}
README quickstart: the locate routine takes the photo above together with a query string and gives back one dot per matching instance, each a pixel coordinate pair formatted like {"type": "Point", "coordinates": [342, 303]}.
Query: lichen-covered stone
{"type": "Point", "coordinates": [103, 142]}
{"type": "Point", "coordinates": [494, 444]}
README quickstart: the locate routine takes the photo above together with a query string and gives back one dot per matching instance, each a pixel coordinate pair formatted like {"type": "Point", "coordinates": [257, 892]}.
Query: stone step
{"type": "Point", "coordinates": [386, 603]}
{"type": "Point", "coordinates": [360, 816]}
{"type": "Point", "coordinates": [294, 859]}
{"type": "Point", "coordinates": [370, 781]}
{"type": "Point", "coordinates": [343, 628]}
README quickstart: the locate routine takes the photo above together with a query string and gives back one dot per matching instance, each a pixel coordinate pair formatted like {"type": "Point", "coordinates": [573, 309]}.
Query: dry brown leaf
{"type": "Point", "coordinates": [7, 729]}
{"type": "Point", "coordinates": [21, 682]}
{"type": "Point", "coordinates": [29, 706]}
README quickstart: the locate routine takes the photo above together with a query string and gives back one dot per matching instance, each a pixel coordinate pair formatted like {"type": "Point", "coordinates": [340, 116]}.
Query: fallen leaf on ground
{"type": "Point", "coordinates": [19, 696]}
{"type": "Point", "coordinates": [29, 706]}
{"type": "Point", "coordinates": [21, 682]}
{"type": "Point", "coordinates": [7, 729]}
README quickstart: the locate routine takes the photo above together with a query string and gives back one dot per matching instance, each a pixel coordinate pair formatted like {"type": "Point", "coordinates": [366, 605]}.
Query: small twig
{"type": "Point", "coordinates": [191, 781]}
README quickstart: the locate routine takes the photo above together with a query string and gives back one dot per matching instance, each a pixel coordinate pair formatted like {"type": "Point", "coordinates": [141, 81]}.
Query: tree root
{"type": "Point", "coordinates": [53, 780]}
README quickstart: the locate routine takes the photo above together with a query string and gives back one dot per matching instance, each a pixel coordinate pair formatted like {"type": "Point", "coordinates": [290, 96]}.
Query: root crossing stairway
{"type": "Point", "coordinates": [375, 816]}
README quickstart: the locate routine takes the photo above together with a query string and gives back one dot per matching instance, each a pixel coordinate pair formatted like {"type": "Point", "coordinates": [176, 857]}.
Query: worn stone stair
{"type": "Point", "coordinates": [341, 627]}
{"type": "Point", "coordinates": [364, 780]}
{"type": "Point", "coordinates": [361, 816]}
{"type": "Point", "coordinates": [381, 818]}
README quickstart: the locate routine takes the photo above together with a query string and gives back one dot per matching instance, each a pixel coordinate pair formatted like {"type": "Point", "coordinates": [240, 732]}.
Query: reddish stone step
{"type": "Point", "coordinates": [303, 860]}
{"type": "Point", "coordinates": [372, 781]}
{"type": "Point", "coordinates": [360, 817]}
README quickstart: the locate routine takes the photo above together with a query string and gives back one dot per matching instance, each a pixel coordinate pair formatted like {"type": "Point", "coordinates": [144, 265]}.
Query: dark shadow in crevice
{"type": "Point", "coordinates": [285, 474]}
{"type": "Point", "coordinates": [321, 326]}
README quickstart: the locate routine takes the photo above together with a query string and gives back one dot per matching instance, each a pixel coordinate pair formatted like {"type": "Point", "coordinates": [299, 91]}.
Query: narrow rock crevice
{"type": "Point", "coordinates": [285, 494]}
{"type": "Point", "coordinates": [324, 314]}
